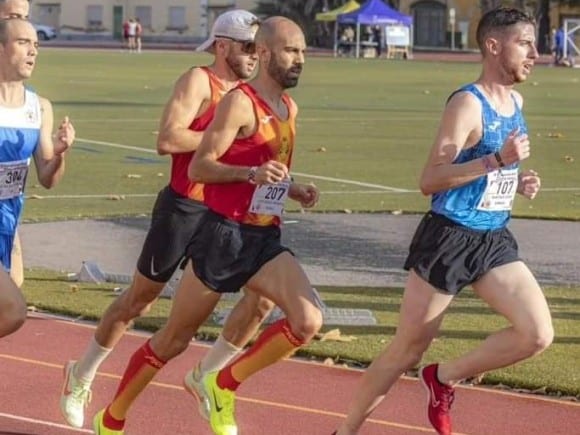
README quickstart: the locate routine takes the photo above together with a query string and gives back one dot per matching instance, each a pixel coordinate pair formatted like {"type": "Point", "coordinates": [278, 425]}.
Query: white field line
{"type": "Point", "coordinates": [379, 187]}
{"type": "Point", "coordinates": [93, 196]}
{"type": "Point", "coordinates": [44, 423]}
{"type": "Point", "coordinates": [316, 177]}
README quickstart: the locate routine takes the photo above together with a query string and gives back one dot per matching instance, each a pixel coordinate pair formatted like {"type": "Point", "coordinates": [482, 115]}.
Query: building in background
{"type": "Point", "coordinates": [190, 20]}
{"type": "Point", "coordinates": [433, 22]}
{"type": "Point", "coordinates": [161, 19]}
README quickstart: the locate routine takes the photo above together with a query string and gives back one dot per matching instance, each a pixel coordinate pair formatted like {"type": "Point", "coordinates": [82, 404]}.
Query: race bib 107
{"type": "Point", "coordinates": [500, 190]}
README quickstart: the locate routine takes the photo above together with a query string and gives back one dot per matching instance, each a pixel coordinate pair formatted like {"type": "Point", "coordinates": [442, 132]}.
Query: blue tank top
{"type": "Point", "coordinates": [460, 204]}
{"type": "Point", "coordinates": [19, 136]}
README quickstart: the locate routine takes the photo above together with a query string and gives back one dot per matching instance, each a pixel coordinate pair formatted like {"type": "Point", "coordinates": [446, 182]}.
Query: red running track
{"type": "Point", "coordinates": [290, 398]}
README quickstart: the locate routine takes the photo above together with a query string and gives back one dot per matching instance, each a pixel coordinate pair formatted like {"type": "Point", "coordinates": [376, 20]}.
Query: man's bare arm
{"type": "Point", "coordinates": [189, 93]}
{"type": "Point", "coordinates": [233, 114]}
{"type": "Point", "coordinates": [460, 126]}
{"type": "Point", "coordinates": [49, 156]}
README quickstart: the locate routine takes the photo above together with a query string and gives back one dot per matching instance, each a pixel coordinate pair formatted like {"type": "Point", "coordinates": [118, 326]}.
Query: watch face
{"type": "Point", "coordinates": [252, 175]}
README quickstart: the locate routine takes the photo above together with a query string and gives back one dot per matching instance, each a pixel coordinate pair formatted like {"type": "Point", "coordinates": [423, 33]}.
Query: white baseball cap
{"type": "Point", "coordinates": [237, 24]}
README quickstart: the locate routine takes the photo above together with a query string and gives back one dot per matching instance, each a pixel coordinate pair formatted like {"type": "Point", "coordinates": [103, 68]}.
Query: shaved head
{"type": "Point", "coordinates": [281, 45]}
{"type": "Point", "coordinates": [274, 28]}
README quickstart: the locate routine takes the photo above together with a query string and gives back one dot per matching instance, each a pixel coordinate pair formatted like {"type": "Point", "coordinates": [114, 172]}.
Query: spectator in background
{"type": "Point", "coordinates": [559, 46]}
{"type": "Point", "coordinates": [126, 33]}
{"type": "Point", "coordinates": [346, 41]}
{"type": "Point", "coordinates": [138, 32]}
{"type": "Point", "coordinates": [378, 38]}
{"type": "Point", "coordinates": [131, 32]}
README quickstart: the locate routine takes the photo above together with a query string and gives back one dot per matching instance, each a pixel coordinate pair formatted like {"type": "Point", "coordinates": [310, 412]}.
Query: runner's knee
{"type": "Point", "coordinates": [408, 351]}
{"type": "Point", "coordinates": [537, 339]}
{"type": "Point", "coordinates": [306, 324]}
{"type": "Point", "coordinates": [168, 343]}
{"type": "Point", "coordinates": [13, 315]}
{"type": "Point", "coordinates": [137, 302]}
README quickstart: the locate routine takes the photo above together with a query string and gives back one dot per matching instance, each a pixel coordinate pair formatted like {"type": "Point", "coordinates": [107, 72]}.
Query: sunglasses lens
{"type": "Point", "coordinates": [249, 47]}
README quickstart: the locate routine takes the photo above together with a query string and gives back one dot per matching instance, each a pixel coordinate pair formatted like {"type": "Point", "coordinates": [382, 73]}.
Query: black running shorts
{"type": "Point", "coordinates": [450, 256]}
{"type": "Point", "coordinates": [174, 221]}
{"type": "Point", "coordinates": [226, 254]}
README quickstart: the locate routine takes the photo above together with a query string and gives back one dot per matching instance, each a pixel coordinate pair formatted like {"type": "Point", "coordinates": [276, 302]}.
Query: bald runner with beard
{"type": "Point", "coordinates": [177, 213]}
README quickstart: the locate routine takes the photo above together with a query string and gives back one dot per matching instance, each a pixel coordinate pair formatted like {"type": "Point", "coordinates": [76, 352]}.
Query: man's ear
{"type": "Point", "coordinates": [492, 46]}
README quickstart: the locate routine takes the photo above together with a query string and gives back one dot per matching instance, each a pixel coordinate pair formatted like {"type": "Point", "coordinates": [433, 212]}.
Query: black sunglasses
{"type": "Point", "coordinates": [248, 47]}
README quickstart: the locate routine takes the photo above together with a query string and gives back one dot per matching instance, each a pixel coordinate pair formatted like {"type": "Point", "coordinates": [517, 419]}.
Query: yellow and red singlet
{"type": "Point", "coordinates": [272, 140]}
{"type": "Point", "coordinates": [180, 182]}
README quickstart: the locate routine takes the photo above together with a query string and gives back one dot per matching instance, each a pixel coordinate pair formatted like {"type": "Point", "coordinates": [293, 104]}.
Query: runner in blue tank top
{"type": "Point", "coordinates": [485, 203]}
{"type": "Point", "coordinates": [473, 175]}
{"type": "Point", "coordinates": [26, 123]}
{"type": "Point", "coordinates": [15, 9]}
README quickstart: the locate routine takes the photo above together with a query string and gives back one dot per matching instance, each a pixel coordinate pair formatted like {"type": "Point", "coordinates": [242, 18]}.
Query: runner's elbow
{"type": "Point", "coordinates": [47, 182]}
{"type": "Point", "coordinates": [163, 146]}
{"type": "Point", "coordinates": [426, 186]}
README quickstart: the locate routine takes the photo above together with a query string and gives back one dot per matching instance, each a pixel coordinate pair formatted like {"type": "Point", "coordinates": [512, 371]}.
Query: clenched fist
{"type": "Point", "coordinates": [515, 148]}
{"type": "Point", "coordinates": [64, 136]}
{"type": "Point", "coordinates": [529, 184]}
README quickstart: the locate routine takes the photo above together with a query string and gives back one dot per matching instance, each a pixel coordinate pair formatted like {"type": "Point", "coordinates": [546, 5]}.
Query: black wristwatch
{"type": "Point", "coordinates": [252, 175]}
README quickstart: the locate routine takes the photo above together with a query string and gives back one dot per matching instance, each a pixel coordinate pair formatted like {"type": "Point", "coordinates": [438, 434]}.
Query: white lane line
{"type": "Point", "coordinates": [43, 422]}
{"type": "Point", "coordinates": [117, 145]}
{"type": "Point", "coordinates": [355, 183]}
{"type": "Point", "coordinates": [316, 177]}
{"type": "Point", "coordinates": [93, 196]}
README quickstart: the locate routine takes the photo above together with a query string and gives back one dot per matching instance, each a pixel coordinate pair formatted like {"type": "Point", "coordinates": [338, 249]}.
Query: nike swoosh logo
{"type": "Point", "coordinates": [67, 391]}
{"type": "Point", "coordinates": [218, 408]}
{"type": "Point", "coordinates": [153, 272]}
{"type": "Point", "coordinates": [434, 403]}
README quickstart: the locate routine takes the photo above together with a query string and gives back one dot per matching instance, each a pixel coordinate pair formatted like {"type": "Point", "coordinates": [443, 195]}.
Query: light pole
{"type": "Point", "coordinates": [452, 23]}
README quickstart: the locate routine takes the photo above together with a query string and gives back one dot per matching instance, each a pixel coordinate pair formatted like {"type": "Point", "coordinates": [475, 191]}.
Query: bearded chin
{"type": "Point", "coordinates": [236, 67]}
{"type": "Point", "coordinates": [279, 75]}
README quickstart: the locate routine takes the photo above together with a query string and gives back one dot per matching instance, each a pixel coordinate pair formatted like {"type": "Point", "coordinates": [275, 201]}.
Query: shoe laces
{"type": "Point", "coordinates": [447, 398]}
{"type": "Point", "coordinates": [81, 394]}
{"type": "Point", "coordinates": [196, 375]}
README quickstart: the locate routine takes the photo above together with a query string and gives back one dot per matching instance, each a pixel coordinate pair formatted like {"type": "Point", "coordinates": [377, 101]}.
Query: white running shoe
{"type": "Point", "coordinates": [193, 385]}
{"type": "Point", "coordinates": [74, 398]}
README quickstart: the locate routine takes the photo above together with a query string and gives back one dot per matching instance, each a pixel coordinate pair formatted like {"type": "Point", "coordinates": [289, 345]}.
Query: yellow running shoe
{"type": "Point", "coordinates": [222, 404]}
{"type": "Point", "coordinates": [193, 385]}
{"type": "Point", "coordinates": [100, 428]}
{"type": "Point", "coordinates": [74, 398]}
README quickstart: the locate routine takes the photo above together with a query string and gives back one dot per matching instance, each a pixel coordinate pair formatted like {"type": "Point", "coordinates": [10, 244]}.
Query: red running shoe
{"type": "Point", "coordinates": [440, 399]}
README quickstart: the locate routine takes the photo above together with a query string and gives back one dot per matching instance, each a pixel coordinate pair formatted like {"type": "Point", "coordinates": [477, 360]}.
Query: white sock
{"type": "Point", "coordinates": [218, 356]}
{"type": "Point", "coordinates": [87, 366]}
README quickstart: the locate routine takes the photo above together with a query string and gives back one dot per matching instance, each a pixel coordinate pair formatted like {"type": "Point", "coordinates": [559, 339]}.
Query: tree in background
{"type": "Point", "coordinates": [302, 12]}
{"type": "Point", "coordinates": [540, 9]}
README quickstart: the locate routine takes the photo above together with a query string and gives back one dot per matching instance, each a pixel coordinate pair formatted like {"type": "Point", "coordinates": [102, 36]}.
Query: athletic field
{"type": "Point", "coordinates": [364, 131]}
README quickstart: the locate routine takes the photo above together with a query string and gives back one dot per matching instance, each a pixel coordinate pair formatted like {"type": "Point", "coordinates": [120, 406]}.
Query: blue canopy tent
{"type": "Point", "coordinates": [374, 12]}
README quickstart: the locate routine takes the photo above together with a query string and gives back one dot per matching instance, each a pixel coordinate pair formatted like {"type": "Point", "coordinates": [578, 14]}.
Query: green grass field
{"type": "Point", "coordinates": [469, 321]}
{"type": "Point", "coordinates": [375, 119]}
